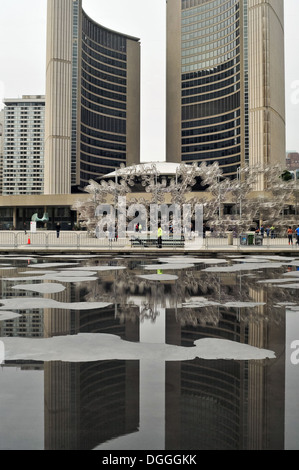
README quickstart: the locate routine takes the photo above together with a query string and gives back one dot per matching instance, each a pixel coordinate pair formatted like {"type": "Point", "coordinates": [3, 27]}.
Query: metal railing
{"type": "Point", "coordinates": [47, 239]}
{"type": "Point", "coordinates": [82, 239]}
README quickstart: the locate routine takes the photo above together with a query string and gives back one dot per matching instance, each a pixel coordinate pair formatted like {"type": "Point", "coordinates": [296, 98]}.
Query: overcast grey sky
{"type": "Point", "coordinates": [23, 44]}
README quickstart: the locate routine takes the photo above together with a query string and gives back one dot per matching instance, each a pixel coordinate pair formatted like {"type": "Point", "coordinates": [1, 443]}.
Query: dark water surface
{"type": "Point", "coordinates": [138, 353]}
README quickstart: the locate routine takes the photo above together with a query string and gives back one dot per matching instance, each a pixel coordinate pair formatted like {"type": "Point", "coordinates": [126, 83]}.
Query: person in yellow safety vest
{"type": "Point", "coordinates": [160, 233]}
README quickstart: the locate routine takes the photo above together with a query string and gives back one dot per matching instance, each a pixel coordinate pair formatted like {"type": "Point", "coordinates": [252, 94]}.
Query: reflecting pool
{"type": "Point", "coordinates": [142, 353]}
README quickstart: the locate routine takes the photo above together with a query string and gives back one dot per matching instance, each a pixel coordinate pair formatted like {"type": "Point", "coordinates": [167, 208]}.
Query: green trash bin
{"type": "Point", "coordinates": [250, 238]}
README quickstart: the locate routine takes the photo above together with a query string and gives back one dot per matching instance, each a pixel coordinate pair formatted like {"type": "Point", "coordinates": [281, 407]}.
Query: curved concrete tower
{"type": "Point", "coordinates": [58, 97]}
{"type": "Point", "coordinates": [225, 83]}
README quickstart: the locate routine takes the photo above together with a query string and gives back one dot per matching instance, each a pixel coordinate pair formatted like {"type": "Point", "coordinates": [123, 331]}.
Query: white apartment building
{"type": "Point", "coordinates": [1, 146]}
{"type": "Point", "coordinates": [23, 152]}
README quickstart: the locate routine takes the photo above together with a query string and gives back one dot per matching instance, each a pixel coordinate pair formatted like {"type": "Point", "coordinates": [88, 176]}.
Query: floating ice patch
{"type": "Point", "coordinates": [88, 347]}
{"type": "Point", "coordinates": [181, 259]}
{"type": "Point", "coordinates": [203, 302]}
{"type": "Point", "coordinates": [243, 266]}
{"type": "Point", "coordinates": [54, 277]}
{"type": "Point", "coordinates": [40, 271]}
{"type": "Point", "coordinates": [43, 288]}
{"type": "Point", "coordinates": [26, 278]}
{"type": "Point", "coordinates": [276, 281]}
{"type": "Point", "coordinates": [168, 267]}
{"type": "Point", "coordinates": [199, 303]}
{"type": "Point", "coordinates": [74, 272]}
{"type": "Point", "coordinates": [98, 268]}
{"type": "Point", "coordinates": [73, 279]}
{"type": "Point", "coordinates": [52, 265]}
{"type": "Point", "coordinates": [272, 257]}
{"type": "Point", "coordinates": [22, 258]}
{"type": "Point", "coordinates": [77, 257]}
{"type": "Point", "coordinates": [294, 274]}
{"type": "Point", "coordinates": [293, 285]}
{"type": "Point", "coordinates": [284, 304]}
{"type": "Point", "coordinates": [25, 303]}
{"type": "Point", "coordinates": [159, 277]}
{"type": "Point", "coordinates": [243, 304]}
{"type": "Point", "coordinates": [8, 315]}
{"type": "Point", "coordinates": [293, 263]}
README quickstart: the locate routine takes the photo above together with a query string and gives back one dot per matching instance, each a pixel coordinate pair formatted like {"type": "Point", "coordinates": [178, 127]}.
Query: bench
{"type": "Point", "coordinates": [147, 242]}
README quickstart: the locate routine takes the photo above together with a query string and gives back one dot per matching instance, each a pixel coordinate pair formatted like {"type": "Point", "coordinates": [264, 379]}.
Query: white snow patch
{"type": "Point", "coordinates": [243, 304]}
{"type": "Point", "coordinates": [86, 347]}
{"type": "Point", "coordinates": [54, 277]}
{"type": "Point", "coordinates": [5, 315]}
{"type": "Point", "coordinates": [243, 266]}
{"type": "Point", "coordinates": [167, 267]}
{"type": "Point", "coordinates": [289, 286]}
{"type": "Point", "coordinates": [97, 268]}
{"type": "Point", "coordinates": [43, 288]}
{"type": "Point", "coordinates": [51, 265]}
{"type": "Point", "coordinates": [276, 281]}
{"type": "Point", "coordinates": [181, 259]}
{"type": "Point", "coordinates": [25, 303]}
{"type": "Point", "coordinates": [159, 277]}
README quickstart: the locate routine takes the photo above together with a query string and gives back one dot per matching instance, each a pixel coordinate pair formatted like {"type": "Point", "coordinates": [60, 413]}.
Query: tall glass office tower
{"type": "Point", "coordinates": [92, 120]}
{"type": "Point", "coordinates": [225, 82]}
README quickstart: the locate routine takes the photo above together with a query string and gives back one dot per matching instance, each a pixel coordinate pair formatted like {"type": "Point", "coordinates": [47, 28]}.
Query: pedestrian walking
{"type": "Point", "coordinates": [272, 231]}
{"type": "Point", "coordinates": [262, 231]}
{"type": "Point", "coordinates": [160, 233]}
{"type": "Point", "coordinates": [58, 229]}
{"type": "Point", "coordinates": [297, 235]}
{"type": "Point", "coordinates": [111, 235]}
{"type": "Point", "coordinates": [268, 231]}
{"type": "Point", "coordinates": [290, 235]}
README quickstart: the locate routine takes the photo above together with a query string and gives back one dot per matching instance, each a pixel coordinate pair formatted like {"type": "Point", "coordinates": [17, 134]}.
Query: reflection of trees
{"type": "Point", "coordinates": [193, 295]}
{"type": "Point", "coordinates": [198, 297]}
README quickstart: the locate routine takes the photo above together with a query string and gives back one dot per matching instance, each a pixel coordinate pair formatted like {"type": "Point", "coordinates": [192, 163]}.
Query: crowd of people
{"type": "Point", "coordinates": [270, 233]}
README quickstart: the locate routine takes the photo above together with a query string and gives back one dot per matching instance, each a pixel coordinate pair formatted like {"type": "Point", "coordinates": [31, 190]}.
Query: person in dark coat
{"type": "Point", "coordinates": [58, 229]}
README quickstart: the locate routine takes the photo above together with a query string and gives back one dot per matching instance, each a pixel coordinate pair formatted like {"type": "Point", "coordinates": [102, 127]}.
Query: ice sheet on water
{"type": "Point", "coordinates": [87, 347]}
{"type": "Point", "coordinates": [293, 285]}
{"type": "Point", "coordinates": [200, 302]}
{"type": "Point", "coordinates": [276, 281]}
{"type": "Point", "coordinates": [39, 271]}
{"type": "Point", "coordinates": [51, 265]}
{"type": "Point", "coordinates": [273, 257]}
{"type": "Point", "coordinates": [54, 277]}
{"type": "Point", "coordinates": [97, 268]}
{"type": "Point", "coordinates": [159, 277]}
{"type": "Point", "coordinates": [5, 315]}
{"type": "Point", "coordinates": [243, 304]}
{"type": "Point", "coordinates": [186, 260]}
{"type": "Point", "coordinates": [17, 257]}
{"type": "Point", "coordinates": [243, 266]}
{"type": "Point", "coordinates": [291, 274]}
{"type": "Point", "coordinates": [204, 302]}
{"type": "Point", "coordinates": [167, 266]}
{"type": "Point", "coordinates": [43, 288]}
{"type": "Point", "coordinates": [6, 268]}
{"type": "Point", "coordinates": [74, 256]}
{"type": "Point", "coordinates": [24, 303]}
{"type": "Point", "coordinates": [75, 273]}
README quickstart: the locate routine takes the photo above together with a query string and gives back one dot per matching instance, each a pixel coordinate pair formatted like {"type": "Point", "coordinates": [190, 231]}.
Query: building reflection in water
{"type": "Point", "coordinates": [199, 404]}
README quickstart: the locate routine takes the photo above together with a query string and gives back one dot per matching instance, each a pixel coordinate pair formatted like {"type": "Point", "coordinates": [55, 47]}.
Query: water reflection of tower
{"type": "Point", "coordinates": [88, 403]}
{"type": "Point", "coordinates": [236, 398]}
{"type": "Point", "coordinates": [228, 404]}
